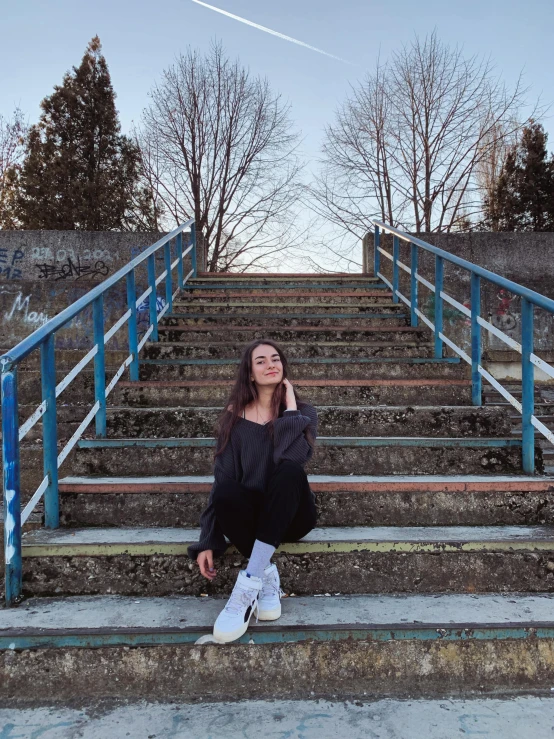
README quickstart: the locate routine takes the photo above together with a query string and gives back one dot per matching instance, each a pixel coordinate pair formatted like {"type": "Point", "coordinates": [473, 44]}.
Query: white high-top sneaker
{"type": "Point", "coordinates": [269, 604]}
{"type": "Point", "coordinates": [233, 620]}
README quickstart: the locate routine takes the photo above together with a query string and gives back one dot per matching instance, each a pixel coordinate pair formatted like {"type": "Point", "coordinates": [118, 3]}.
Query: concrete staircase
{"type": "Point", "coordinates": [430, 571]}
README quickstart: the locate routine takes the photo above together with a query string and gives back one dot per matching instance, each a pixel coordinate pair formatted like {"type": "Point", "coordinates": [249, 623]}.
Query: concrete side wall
{"type": "Point", "coordinates": [525, 258]}
{"type": "Point", "coordinates": [42, 272]}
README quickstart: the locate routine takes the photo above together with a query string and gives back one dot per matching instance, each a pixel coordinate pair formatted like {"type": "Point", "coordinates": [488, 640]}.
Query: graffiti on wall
{"type": "Point", "coordinates": [20, 309]}
{"type": "Point", "coordinates": [450, 315]}
{"type": "Point", "coordinates": [143, 313]}
{"type": "Point", "coordinates": [10, 263]}
{"type": "Point", "coordinates": [47, 254]}
{"type": "Point", "coordinates": [72, 270]}
{"type": "Point", "coordinates": [504, 318]}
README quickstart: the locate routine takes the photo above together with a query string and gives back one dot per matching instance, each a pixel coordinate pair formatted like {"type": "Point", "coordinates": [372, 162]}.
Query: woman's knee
{"type": "Point", "coordinates": [226, 495]}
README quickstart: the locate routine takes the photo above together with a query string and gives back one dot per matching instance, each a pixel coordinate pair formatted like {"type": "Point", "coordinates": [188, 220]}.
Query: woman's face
{"type": "Point", "coordinates": [267, 368]}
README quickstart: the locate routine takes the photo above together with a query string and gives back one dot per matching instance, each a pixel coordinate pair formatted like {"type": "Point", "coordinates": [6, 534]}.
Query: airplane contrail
{"type": "Point", "coordinates": [268, 30]}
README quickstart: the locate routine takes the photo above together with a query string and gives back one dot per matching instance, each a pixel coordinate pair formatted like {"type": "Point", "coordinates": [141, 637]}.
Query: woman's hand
{"type": "Point", "coordinates": [205, 561]}
{"type": "Point", "coordinates": [290, 400]}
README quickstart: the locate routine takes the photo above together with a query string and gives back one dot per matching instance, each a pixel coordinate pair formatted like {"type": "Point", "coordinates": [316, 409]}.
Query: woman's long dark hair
{"type": "Point", "coordinates": [244, 392]}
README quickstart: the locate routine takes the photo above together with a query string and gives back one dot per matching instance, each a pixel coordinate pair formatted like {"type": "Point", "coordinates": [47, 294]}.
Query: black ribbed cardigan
{"type": "Point", "coordinates": [250, 457]}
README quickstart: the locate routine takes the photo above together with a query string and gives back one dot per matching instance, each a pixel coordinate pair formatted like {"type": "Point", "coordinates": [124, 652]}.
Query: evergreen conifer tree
{"type": "Point", "coordinates": [523, 199]}
{"type": "Point", "coordinates": [80, 172]}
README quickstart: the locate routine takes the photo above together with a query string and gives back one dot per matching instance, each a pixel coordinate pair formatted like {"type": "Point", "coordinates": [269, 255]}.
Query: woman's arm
{"type": "Point", "coordinates": [211, 536]}
{"type": "Point", "coordinates": [290, 442]}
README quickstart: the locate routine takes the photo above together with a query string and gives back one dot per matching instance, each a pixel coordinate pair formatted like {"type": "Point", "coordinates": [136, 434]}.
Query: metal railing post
{"type": "Point", "coordinates": [99, 365]}
{"type": "Point", "coordinates": [376, 252]}
{"type": "Point", "coordinates": [50, 433]}
{"type": "Point", "coordinates": [153, 298]}
{"type": "Point", "coordinates": [132, 326]}
{"type": "Point", "coordinates": [365, 253]}
{"type": "Point", "coordinates": [476, 379]}
{"type": "Point", "coordinates": [180, 271]}
{"type": "Point", "coordinates": [168, 280]}
{"type": "Point", "coordinates": [12, 490]}
{"type": "Point", "coordinates": [528, 387]}
{"type": "Point", "coordinates": [414, 285]}
{"type": "Point", "coordinates": [193, 252]}
{"type": "Point", "coordinates": [439, 280]}
{"type": "Point", "coordinates": [395, 268]}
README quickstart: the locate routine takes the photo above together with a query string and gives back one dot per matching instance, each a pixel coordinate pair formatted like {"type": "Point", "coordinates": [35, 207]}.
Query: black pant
{"type": "Point", "coordinates": [285, 511]}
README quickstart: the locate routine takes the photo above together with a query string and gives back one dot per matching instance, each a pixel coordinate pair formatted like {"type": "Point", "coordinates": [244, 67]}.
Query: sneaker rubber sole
{"type": "Point", "coordinates": [270, 614]}
{"type": "Point", "coordinates": [230, 636]}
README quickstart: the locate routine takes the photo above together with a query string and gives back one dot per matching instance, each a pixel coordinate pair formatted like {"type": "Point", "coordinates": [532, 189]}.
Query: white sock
{"type": "Point", "coordinates": [259, 559]}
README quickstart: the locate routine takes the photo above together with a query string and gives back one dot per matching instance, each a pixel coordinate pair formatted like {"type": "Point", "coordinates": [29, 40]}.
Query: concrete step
{"type": "Point", "coordinates": [299, 349]}
{"type": "Point", "coordinates": [540, 408]}
{"type": "Point", "coordinates": [282, 307]}
{"type": "Point", "coordinates": [357, 646]}
{"type": "Point", "coordinates": [31, 466]}
{"type": "Point", "coordinates": [81, 390]}
{"type": "Point", "coordinates": [308, 334]}
{"type": "Point", "coordinates": [354, 715]}
{"type": "Point", "coordinates": [159, 393]}
{"type": "Point", "coordinates": [313, 368]}
{"type": "Point", "coordinates": [182, 421]}
{"type": "Point", "coordinates": [381, 316]}
{"type": "Point", "coordinates": [548, 421]}
{"type": "Point", "coordinates": [153, 561]}
{"type": "Point", "coordinates": [494, 398]}
{"type": "Point", "coordinates": [427, 421]}
{"type": "Point", "coordinates": [358, 296]}
{"type": "Point", "coordinates": [284, 280]}
{"type": "Point", "coordinates": [341, 501]}
{"type": "Point", "coordinates": [333, 455]}
{"type": "Point", "coordinates": [548, 460]}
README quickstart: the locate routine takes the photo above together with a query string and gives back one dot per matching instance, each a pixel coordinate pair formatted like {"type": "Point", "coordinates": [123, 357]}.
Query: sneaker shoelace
{"type": "Point", "coordinates": [272, 587]}
{"type": "Point", "coordinates": [241, 599]}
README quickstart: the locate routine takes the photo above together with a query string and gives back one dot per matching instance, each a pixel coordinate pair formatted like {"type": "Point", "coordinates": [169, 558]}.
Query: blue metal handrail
{"type": "Point", "coordinates": [529, 300]}
{"type": "Point", "coordinates": [44, 339]}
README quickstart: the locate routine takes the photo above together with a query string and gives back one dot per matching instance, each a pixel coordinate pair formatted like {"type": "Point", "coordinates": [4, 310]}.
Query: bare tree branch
{"type": "Point", "coordinates": [418, 142]}
{"type": "Point", "coordinates": [218, 145]}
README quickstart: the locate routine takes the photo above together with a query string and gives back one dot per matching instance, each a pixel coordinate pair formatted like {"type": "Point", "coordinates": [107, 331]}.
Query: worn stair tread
{"type": "Point", "coordinates": [362, 407]}
{"type": "Point", "coordinates": [313, 329]}
{"type": "Point", "coordinates": [288, 277]}
{"type": "Point", "coordinates": [338, 285]}
{"type": "Point", "coordinates": [419, 382]}
{"type": "Point", "coordinates": [367, 483]}
{"type": "Point", "coordinates": [271, 304]}
{"type": "Point", "coordinates": [117, 614]}
{"type": "Point", "coordinates": [174, 541]}
{"type": "Point", "coordinates": [267, 316]}
{"type": "Point", "coordinates": [285, 291]}
{"type": "Point", "coordinates": [338, 344]}
{"type": "Point", "coordinates": [271, 285]}
{"type": "Point", "coordinates": [315, 360]}
{"type": "Point", "coordinates": [347, 441]}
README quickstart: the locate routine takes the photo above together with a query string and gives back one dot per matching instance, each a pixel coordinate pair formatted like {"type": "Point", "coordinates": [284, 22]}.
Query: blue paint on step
{"type": "Point", "coordinates": [338, 441]}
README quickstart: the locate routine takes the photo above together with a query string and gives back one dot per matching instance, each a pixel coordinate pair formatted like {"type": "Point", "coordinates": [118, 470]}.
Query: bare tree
{"type": "Point", "coordinates": [410, 143]}
{"type": "Point", "coordinates": [12, 135]}
{"type": "Point", "coordinates": [218, 145]}
{"type": "Point", "coordinates": [354, 183]}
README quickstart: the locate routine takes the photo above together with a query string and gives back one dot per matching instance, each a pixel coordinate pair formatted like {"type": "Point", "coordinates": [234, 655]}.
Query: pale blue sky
{"type": "Point", "coordinates": [41, 40]}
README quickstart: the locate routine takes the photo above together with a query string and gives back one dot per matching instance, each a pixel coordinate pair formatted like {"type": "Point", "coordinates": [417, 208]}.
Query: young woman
{"type": "Point", "coordinates": [261, 495]}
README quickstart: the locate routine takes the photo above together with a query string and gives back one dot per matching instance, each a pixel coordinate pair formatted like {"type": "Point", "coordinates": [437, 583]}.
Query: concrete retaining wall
{"type": "Point", "coordinates": [525, 258]}
{"type": "Point", "coordinates": [42, 272]}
